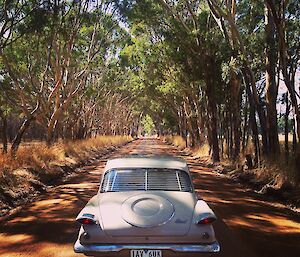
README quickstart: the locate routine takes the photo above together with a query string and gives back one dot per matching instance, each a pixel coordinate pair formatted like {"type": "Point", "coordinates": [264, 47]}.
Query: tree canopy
{"type": "Point", "coordinates": [225, 73]}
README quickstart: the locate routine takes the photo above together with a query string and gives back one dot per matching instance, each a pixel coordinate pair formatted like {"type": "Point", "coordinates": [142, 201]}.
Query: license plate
{"type": "Point", "coordinates": [145, 253]}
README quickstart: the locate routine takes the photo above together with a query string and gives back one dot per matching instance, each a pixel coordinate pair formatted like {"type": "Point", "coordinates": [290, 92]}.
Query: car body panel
{"type": "Point", "coordinates": [120, 219]}
{"type": "Point", "coordinates": [91, 208]}
{"type": "Point", "coordinates": [164, 219]}
{"type": "Point", "coordinates": [146, 162]}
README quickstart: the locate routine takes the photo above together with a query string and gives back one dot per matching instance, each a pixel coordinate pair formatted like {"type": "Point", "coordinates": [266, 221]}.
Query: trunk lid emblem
{"type": "Point", "coordinates": [147, 210]}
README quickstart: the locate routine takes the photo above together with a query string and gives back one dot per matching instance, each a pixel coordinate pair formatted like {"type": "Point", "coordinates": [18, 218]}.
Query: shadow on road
{"type": "Point", "coordinates": [267, 228]}
{"type": "Point", "coordinates": [247, 225]}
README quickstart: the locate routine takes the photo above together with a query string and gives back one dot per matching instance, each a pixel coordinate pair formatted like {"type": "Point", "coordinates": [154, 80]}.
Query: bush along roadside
{"type": "Point", "coordinates": [269, 181]}
{"type": "Point", "coordinates": [37, 167]}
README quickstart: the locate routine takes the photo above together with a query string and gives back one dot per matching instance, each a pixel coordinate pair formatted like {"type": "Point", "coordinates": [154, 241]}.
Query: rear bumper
{"type": "Point", "coordinates": [99, 248]}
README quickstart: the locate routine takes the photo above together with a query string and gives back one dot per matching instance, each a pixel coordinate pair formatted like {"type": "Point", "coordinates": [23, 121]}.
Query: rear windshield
{"type": "Point", "coordinates": [118, 180]}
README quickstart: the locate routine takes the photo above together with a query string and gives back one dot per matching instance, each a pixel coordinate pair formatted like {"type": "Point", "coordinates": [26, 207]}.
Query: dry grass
{"type": "Point", "coordinates": [277, 178]}
{"type": "Point", "coordinates": [175, 140]}
{"type": "Point", "coordinates": [276, 172]}
{"type": "Point", "coordinates": [201, 151]}
{"type": "Point", "coordinates": [83, 148]}
{"type": "Point", "coordinates": [272, 171]}
{"type": "Point", "coordinates": [178, 141]}
{"type": "Point", "coordinates": [39, 156]}
{"type": "Point", "coordinates": [37, 164]}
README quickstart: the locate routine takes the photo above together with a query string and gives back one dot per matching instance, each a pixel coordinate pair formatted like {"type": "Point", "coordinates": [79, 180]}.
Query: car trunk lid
{"type": "Point", "coordinates": [146, 213]}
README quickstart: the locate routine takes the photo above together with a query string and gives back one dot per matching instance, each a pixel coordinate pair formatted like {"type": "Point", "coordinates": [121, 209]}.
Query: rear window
{"type": "Point", "coordinates": [118, 180]}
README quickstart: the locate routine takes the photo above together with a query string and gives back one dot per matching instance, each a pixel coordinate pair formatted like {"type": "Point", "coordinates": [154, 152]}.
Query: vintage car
{"type": "Point", "coordinates": [146, 207]}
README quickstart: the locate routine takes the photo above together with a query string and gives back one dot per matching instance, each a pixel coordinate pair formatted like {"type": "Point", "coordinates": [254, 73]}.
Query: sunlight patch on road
{"type": "Point", "coordinates": [22, 219]}
{"type": "Point", "coordinates": [50, 205]}
{"type": "Point", "coordinates": [215, 200]}
{"type": "Point", "coordinates": [46, 203]}
{"type": "Point", "coordinates": [43, 250]}
{"type": "Point", "coordinates": [52, 250]}
{"type": "Point", "coordinates": [279, 222]}
{"type": "Point", "coordinates": [265, 223]}
{"type": "Point", "coordinates": [81, 185]}
{"type": "Point", "coordinates": [15, 239]}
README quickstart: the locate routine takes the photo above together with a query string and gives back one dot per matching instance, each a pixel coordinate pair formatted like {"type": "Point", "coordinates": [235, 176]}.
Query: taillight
{"type": "Point", "coordinates": [86, 221]}
{"type": "Point", "coordinates": [206, 220]}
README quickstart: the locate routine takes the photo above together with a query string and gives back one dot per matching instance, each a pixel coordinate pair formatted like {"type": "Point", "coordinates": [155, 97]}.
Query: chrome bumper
{"type": "Point", "coordinates": [209, 248]}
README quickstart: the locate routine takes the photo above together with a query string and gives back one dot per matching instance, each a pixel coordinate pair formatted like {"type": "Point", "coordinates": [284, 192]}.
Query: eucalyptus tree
{"type": "Point", "coordinates": [5, 109]}
{"type": "Point", "coordinates": [49, 65]}
{"type": "Point", "coordinates": [14, 16]}
{"type": "Point", "coordinates": [35, 59]}
{"type": "Point", "coordinates": [277, 22]}
{"type": "Point", "coordinates": [285, 15]}
{"type": "Point", "coordinates": [225, 14]}
{"type": "Point", "coordinates": [152, 79]}
{"type": "Point", "coordinates": [86, 36]}
{"type": "Point", "coordinates": [184, 26]}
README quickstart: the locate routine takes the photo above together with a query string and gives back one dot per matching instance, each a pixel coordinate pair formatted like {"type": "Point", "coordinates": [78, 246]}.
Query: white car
{"type": "Point", "coordinates": [146, 207]}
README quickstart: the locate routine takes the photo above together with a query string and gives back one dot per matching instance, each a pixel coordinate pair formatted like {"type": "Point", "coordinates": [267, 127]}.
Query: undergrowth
{"type": "Point", "coordinates": [177, 141]}
{"type": "Point", "coordinates": [276, 172]}
{"type": "Point", "coordinates": [37, 165]}
{"type": "Point", "coordinates": [39, 156]}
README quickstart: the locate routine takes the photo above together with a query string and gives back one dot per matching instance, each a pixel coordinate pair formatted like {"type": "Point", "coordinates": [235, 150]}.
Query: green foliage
{"type": "Point", "coordinates": [281, 124]}
{"type": "Point", "coordinates": [148, 124]}
{"type": "Point", "coordinates": [167, 63]}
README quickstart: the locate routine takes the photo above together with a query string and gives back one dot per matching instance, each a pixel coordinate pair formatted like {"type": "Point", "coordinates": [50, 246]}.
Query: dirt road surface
{"type": "Point", "coordinates": [247, 226]}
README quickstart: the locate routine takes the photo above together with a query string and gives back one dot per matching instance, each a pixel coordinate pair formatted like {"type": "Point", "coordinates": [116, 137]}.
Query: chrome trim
{"type": "Point", "coordinates": [178, 181]}
{"type": "Point", "coordinates": [204, 248]}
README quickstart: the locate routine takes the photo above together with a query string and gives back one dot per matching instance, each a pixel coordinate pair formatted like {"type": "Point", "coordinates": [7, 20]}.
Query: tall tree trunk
{"type": "Point", "coordinates": [286, 126]}
{"type": "Point", "coordinates": [279, 20]}
{"type": "Point", "coordinates": [212, 108]}
{"type": "Point", "coordinates": [50, 133]}
{"type": "Point", "coordinates": [3, 132]}
{"type": "Point", "coordinates": [238, 43]}
{"type": "Point", "coordinates": [230, 133]}
{"type": "Point", "coordinates": [189, 119]}
{"type": "Point", "coordinates": [200, 122]}
{"type": "Point", "coordinates": [221, 136]}
{"type": "Point", "coordinates": [259, 109]}
{"type": "Point", "coordinates": [252, 119]}
{"type": "Point", "coordinates": [18, 138]}
{"type": "Point", "coordinates": [294, 136]}
{"type": "Point", "coordinates": [227, 132]}
{"type": "Point", "coordinates": [185, 131]}
{"type": "Point", "coordinates": [245, 129]}
{"type": "Point", "coordinates": [235, 85]}
{"type": "Point", "coordinates": [183, 128]}
{"type": "Point", "coordinates": [180, 122]}
{"type": "Point", "coordinates": [53, 122]}
{"type": "Point", "coordinates": [271, 85]}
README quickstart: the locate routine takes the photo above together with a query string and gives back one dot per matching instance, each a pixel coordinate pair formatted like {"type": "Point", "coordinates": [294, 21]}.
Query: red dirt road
{"type": "Point", "coordinates": [247, 226]}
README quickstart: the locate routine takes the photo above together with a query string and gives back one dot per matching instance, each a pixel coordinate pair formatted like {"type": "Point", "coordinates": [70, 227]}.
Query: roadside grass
{"type": "Point", "coordinates": [177, 141]}
{"type": "Point", "coordinates": [180, 143]}
{"type": "Point", "coordinates": [39, 156]}
{"type": "Point", "coordinates": [201, 151]}
{"type": "Point", "coordinates": [36, 166]}
{"type": "Point", "coordinates": [272, 174]}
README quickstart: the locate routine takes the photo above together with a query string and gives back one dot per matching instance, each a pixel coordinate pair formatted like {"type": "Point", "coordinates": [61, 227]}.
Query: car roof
{"type": "Point", "coordinates": [140, 161]}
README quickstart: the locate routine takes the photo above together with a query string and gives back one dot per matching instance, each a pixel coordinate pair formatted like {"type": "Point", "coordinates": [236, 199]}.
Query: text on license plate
{"type": "Point", "coordinates": [145, 253]}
